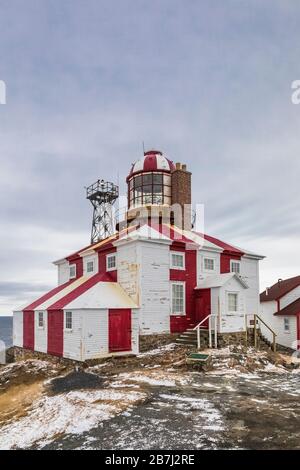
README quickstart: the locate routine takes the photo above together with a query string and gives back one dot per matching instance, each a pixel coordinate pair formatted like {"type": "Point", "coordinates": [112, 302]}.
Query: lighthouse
{"type": "Point", "coordinates": [159, 189]}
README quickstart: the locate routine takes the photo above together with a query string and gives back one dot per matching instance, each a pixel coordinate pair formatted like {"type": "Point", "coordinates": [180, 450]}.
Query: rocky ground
{"type": "Point", "coordinates": [244, 399]}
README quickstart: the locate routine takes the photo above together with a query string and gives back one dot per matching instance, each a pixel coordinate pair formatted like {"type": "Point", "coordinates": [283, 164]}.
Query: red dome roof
{"type": "Point", "coordinates": [153, 160]}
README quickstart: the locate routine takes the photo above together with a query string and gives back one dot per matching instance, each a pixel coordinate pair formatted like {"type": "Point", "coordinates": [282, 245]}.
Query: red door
{"type": "Point", "coordinates": [55, 332]}
{"type": "Point", "coordinates": [119, 329]}
{"type": "Point", "coordinates": [202, 305]}
{"type": "Point", "coordinates": [28, 329]}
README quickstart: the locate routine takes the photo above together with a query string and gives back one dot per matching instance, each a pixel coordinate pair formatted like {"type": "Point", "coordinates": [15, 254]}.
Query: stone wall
{"type": "Point", "coordinates": [226, 339]}
{"type": "Point", "coordinates": [148, 342]}
{"type": "Point", "coordinates": [15, 354]}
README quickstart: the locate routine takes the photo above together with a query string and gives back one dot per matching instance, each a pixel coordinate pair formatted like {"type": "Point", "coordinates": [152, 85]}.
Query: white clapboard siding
{"type": "Point", "coordinates": [135, 331]}
{"type": "Point", "coordinates": [201, 272]}
{"type": "Point", "coordinates": [232, 322]}
{"type": "Point", "coordinates": [250, 274]}
{"type": "Point", "coordinates": [73, 339]}
{"type": "Point", "coordinates": [86, 260]}
{"type": "Point", "coordinates": [128, 265]}
{"type": "Point", "coordinates": [63, 273]}
{"type": "Point", "coordinates": [155, 288]}
{"type": "Point", "coordinates": [95, 333]}
{"type": "Point", "coordinates": [18, 329]}
{"type": "Point", "coordinates": [40, 333]}
{"type": "Point", "coordinates": [89, 337]}
{"type": "Point", "coordinates": [290, 297]}
{"type": "Point", "coordinates": [276, 322]}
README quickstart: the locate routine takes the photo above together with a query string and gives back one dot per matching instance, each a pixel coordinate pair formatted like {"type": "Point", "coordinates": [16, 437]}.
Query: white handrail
{"type": "Point", "coordinates": [198, 327]}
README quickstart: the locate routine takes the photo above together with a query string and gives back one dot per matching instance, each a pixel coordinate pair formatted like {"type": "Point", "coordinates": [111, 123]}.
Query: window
{"type": "Point", "coordinates": [177, 260]}
{"type": "Point", "coordinates": [209, 264]}
{"type": "Point", "coordinates": [111, 262]}
{"type": "Point", "coordinates": [232, 302]}
{"type": "Point", "coordinates": [90, 267]}
{"type": "Point", "coordinates": [41, 319]}
{"type": "Point", "coordinates": [178, 298]}
{"type": "Point", "coordinates": [150, 188]}
{"type": "Point", "coordinates": [235, 267]}
{"type": "Point", "coordinates": [286, 323]}
{"type": "Point", "coordinates": [72, 271]}
{"type": "Point", "coordinates": [68, 324]}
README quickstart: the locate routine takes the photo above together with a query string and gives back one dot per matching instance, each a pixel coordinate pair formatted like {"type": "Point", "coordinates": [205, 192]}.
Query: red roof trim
{"type": "Point", "coordinates": [47, 296]}
{"type": "Point", "coordinates": [278, 290]}
{"type": "Point", "coordinates": [61, 303]}
{"type": "Point", "coordinates": [292, 309]}
{"type": "Point", "coordinates": [226, 247]}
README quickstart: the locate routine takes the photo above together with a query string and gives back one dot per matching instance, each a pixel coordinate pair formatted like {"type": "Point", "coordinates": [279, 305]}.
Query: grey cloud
{"type": "Point", "coordinates": [87, 82]}
{"type": "Point", "coordinates": [19, 289]}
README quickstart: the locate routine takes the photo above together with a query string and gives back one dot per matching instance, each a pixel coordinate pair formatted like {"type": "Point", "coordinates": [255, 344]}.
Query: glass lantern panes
{"type": "Point", "coordinates": [150, 188]}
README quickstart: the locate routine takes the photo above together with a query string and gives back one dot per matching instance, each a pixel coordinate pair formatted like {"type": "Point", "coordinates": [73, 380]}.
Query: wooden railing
{"type": "Point", "coordinates": [256, 319]}
{"type": "Point", "coordinates": [199, 326]}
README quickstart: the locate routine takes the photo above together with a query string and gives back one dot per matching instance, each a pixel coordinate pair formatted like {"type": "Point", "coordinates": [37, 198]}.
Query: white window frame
{"type": "Point", "coordinates": [90, 261]}
{"type": "Point", "coordinates": [109, 256]}
{"type": "Point", "coordinates": [286, 330]}
{"type": "Point", "coordinates": [182, 255]}
{"type": "Point", "coordinates": [68, 328]}
{"type": "Point", "coordinates": [72, 266]}
{"type": "Point", "coordinates": [41, 316]}
{"type": "Point", "coordinates": [233, 312]}
{"type": "Point", "coordinates": [206, 258]}
{"type": "Point", "coordinates": [234, 261]}
{"type": "Point", "coordinates": [171, 297]}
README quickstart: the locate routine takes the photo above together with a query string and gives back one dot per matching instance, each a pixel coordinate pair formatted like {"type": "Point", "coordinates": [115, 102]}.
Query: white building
{"type": "Point", "coordinates": [280, 308]}
{"type": "Point", "coordinates": [150, 277]}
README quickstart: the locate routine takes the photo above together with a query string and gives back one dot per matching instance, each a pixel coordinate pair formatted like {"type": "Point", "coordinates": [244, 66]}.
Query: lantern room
{"type": "Point", "coordinates": [149, 181]}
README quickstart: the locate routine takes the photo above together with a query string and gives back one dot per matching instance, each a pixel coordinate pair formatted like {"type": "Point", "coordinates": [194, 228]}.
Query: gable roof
{"type": "Point", "coordinates": [291, 309]}
{"type": "Point", "coordinates": [45, 297]}
{"type": "Point", "coordinates": [102, 295]}
{"type": "Point", "coordinates": [279, 289]}
{"type": "Point", "coordinates": [220, 280]}
{"type": "Point", "coordinates": [167, 232]}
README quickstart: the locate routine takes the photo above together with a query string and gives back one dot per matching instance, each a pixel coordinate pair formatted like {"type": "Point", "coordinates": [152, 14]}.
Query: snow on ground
{"type": "Point", "coordinates": [28, 365]}
{"type": "Point", "coordinates": [160, 350]}
{"type": "Point", "coordinates": [71, 413]}
{"type": "Point", "coordinates": [148, 380]}
{"type": "Point", "coordinates": [211, 417]}
{"type": "Point", "coordinates": [156, 378]}
{"type": "Point", "coordinates": [238, 361]}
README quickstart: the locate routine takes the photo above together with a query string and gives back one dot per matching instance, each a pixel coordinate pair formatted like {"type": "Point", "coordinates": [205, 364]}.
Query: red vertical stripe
{"type": "Point", "coordinates": [179, 323]}
{"type": "Point", "coordinates": [55, 340]}
{"type": "Point", "coordinates": [150, 163]}
{"type": "Point", "coordinates": [28, 329]}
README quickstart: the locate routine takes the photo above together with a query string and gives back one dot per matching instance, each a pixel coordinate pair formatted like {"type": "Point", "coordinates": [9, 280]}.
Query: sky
{"type": "Point", "coordinates": [87, 81]}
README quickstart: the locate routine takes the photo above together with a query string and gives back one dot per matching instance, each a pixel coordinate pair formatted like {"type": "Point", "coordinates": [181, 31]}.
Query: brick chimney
{"type": "Point", "coordinates": [182, 195]}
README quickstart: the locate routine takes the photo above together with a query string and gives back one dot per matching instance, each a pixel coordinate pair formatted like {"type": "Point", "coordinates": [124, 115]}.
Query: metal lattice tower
{"type": "Point", "coordinates": [102, 195]}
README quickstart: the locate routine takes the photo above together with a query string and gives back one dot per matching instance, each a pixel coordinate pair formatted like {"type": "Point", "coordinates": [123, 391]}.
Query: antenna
{"type": "Point", "coordinates": [143, 148]}
{"type": "Point", "coordinates": [102, 195]}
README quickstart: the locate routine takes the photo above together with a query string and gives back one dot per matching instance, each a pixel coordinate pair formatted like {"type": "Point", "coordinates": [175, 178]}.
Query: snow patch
{"type": "Point", "coordinates": [72, 413]}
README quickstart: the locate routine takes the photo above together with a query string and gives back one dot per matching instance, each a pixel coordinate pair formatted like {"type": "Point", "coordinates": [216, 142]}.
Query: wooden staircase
{"type": "Point", "coordinates": [189, 338]}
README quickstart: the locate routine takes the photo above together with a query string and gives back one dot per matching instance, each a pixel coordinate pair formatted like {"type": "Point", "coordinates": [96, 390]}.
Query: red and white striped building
{"type": "Point", "coordinates": [150, 277]}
